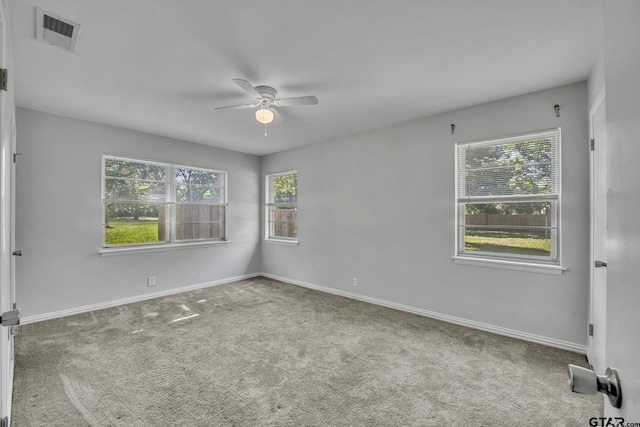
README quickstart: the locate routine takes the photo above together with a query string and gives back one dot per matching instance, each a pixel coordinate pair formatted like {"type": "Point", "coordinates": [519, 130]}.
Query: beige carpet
{"type": "Point", "coordinates": [264, 353]}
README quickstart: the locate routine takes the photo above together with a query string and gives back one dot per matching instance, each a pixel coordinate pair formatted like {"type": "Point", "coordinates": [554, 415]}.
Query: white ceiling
{"type": "Point", "coordinates": [161, 66]}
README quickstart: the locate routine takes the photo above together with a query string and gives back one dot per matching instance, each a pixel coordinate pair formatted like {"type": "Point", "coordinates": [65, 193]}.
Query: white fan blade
{"type": "Point", "coordinates": [298, 100]}
{"type": "Point", "coordinates": [237, 107]}
{"type": "Point", "coordinates": [247, 87]}
{"type": "Point", "coordinates": [277, 113]}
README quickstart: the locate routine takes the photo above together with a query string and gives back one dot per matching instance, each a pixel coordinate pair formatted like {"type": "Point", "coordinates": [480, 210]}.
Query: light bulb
{"type": "Point", "coordinates": [264, 115]}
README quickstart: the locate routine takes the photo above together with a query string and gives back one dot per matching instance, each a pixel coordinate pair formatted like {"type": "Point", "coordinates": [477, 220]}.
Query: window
{"type": "Point", "coordinates": [158, 203]}
{"type": "Point", "coordinates": [282, 206]}
{"type": "Point", "coordinates": [508, 198]}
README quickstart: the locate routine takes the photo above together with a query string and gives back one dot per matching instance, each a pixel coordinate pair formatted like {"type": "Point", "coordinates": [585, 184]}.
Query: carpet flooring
{"type": "Point", "coordinates": [260, 352]}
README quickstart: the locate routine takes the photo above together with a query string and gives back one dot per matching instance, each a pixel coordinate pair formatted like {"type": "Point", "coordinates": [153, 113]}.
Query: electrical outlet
{"type": "Point", "coordinates": [355, 281]}
{"type": "Point", "coordinates": [151, 281]}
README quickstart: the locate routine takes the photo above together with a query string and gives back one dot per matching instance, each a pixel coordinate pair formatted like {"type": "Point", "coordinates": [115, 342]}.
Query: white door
{"type": "Point", "coordinates": [7, 291]}
{"type": "Point", "coordinates": [598, 294]}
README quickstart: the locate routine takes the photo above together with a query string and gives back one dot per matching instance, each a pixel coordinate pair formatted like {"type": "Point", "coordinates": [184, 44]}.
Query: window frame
{"type": "Point", "coordinates": [551, 264]}
{"type": "Point", "coordinates": [269, 204]}
{"type": "Point", "coordinates": [170, 203]}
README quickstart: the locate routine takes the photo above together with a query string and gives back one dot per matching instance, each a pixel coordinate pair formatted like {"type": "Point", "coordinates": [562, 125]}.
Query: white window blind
{"type": "Point", "coordinates": [527, 165]}
{"type": "Point", "coordinates": [508, 197]}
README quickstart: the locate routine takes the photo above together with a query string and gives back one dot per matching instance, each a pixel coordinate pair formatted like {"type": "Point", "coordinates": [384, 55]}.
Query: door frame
{"type": "Point", "coordinates": [594, 305]}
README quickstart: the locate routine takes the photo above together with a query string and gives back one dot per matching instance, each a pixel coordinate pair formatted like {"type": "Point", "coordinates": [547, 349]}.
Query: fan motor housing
{"type": "Point", "coordinates": [266, 92]}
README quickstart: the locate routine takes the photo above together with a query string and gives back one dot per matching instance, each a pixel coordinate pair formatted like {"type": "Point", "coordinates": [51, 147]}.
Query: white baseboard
{"type": "Point", "coordinates": [525, 336]}
{"type": "Point", "coordinates": [129, 300]}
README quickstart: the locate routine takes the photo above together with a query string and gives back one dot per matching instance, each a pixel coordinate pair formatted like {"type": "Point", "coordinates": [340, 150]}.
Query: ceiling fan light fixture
{"type": "Point", "coordinates": [264, 115]}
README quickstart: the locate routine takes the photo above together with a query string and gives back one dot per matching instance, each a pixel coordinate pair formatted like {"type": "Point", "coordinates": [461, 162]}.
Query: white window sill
{"type": "Point", "coordinates": [281, 242]}
{"type": "Point", "coordinates": [159, 248]}
{"type": "Point", "coordinates": [510, 265]}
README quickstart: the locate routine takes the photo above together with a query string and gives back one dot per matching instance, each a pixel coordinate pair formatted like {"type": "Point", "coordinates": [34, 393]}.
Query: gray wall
{"type": "Point", "coordinates": [59, 212]}
{"type": "Point", "coordinates": [379, 206]}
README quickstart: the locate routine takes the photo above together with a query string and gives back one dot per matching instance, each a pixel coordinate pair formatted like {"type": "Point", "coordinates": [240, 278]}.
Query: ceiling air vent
{"type": "Point", "coordinates": [56, 30]}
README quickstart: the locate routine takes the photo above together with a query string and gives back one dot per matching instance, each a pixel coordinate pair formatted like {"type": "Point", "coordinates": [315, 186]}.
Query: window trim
{"type": "Point", "coordinates": [532, 267]}
{"type": "Point", "coordinates": [548, 265]}
{"type": "Point", "coordinates": [159, 247]}
{"type": "Point", "coordinates": [267, 205]}
{"type": "Point", "coordinates": [171, 203]}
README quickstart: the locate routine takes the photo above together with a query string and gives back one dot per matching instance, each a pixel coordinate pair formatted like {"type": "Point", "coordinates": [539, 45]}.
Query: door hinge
{"type": "Point", "coordinates": [593, 144]}
{"type": "Point", "coordinates": [15, 156]}
{"type": "Point", "coordinates": [590, 329]}
{"type": "Point", "coordinates": [600, 264]}
{"type": "Point", "coordinates": [4, 422]}
{"type": "Point", "coordinates": [4, 79]}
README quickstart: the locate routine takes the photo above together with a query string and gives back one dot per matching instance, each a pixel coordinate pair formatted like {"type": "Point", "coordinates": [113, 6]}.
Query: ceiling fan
{"type": "Point", "coordinates": [264, 99]}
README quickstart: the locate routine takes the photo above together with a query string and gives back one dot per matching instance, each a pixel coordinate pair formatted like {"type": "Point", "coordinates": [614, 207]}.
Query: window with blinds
{"type": "Point", "coordinates": [148, 202]}
{"type": "Point", "coordinates": [508, 197]}
{"type": "Point", "coordinates": [282, 206]}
